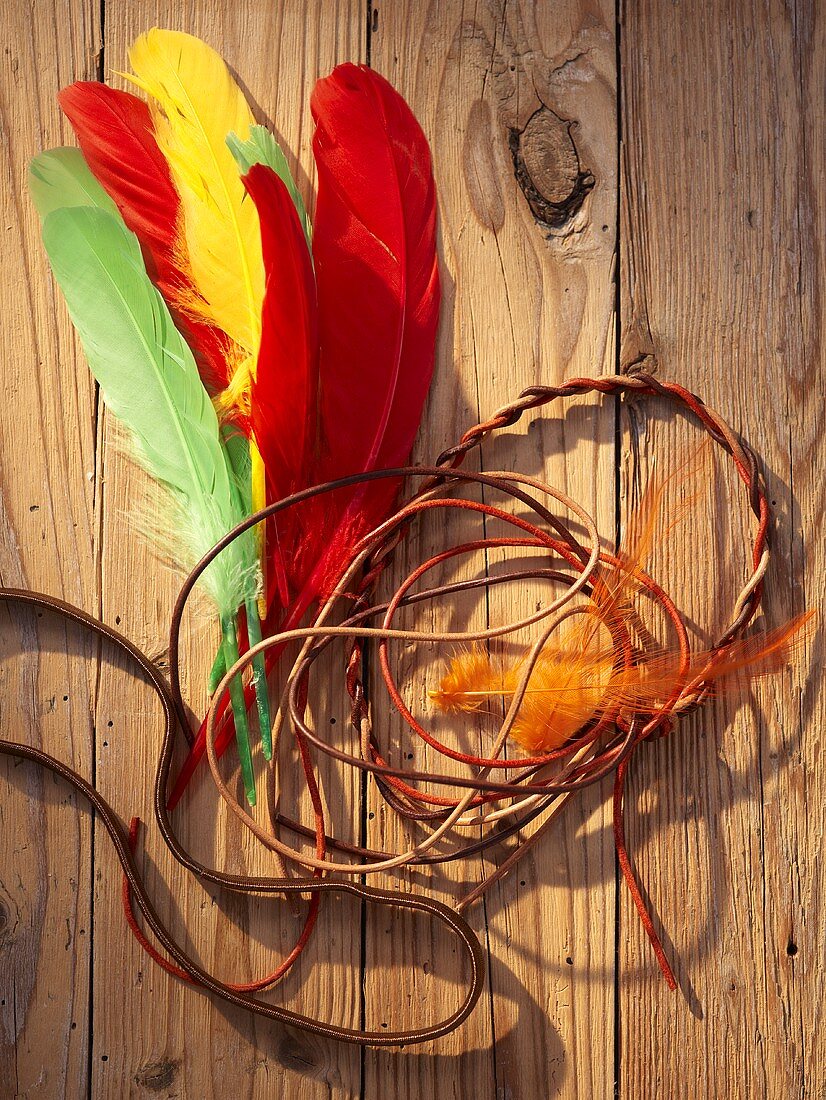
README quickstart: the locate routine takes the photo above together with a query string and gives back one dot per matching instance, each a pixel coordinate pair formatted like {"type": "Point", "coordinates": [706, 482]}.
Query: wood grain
{"type": "Point", "coordinates": [695, 247]}
{"type": "Point", "coordinates": [48, 541]}
{"type": "Point", "coordinates": [526, 301]}
{"type": "Point", "coordinates": [721, 268]}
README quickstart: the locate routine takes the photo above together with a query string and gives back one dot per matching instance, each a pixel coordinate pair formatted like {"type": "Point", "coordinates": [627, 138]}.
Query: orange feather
{"type": "Point", "coordinates": [575, 679]}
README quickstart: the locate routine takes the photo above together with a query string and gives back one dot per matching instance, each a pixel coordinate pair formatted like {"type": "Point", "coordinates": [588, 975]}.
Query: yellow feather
{"type": "Point", "coordinates": [574, 680]}
{"type": "Point", "coordinates": [567, 687]}
{"type": "Point", "coordinates": [470, 680]}
{"type": "Point", "coordinates": [195, 103]}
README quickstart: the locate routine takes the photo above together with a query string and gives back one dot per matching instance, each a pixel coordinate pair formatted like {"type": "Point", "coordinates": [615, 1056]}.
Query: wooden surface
{"type": "Point", "coordinates": [675, 218]}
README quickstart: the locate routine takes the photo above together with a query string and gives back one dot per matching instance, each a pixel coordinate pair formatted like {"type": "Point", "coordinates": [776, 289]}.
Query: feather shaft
{"type": "Point", "coordinates": [216, 673]}
{"type": "Point", "coordinates": [239, 710]}
{"type": "Point", "coordinates": [259, 679]}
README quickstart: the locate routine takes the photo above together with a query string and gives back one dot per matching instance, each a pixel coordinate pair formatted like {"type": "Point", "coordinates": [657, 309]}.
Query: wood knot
{"type": "Point", "coordinates": [547, 168]}
{"type": "Point", "coordinates": [8, 923]}
{"type": "Point", "coordinates": [644, 363]}
{"type": "Point", "coordinates": [294, 1054]}
{"type": "Point", "coordinates": [156, 1076]}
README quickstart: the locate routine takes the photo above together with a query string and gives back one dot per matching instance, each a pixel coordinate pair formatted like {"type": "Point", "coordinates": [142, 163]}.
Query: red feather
{"type": "Point", "coordinates": [374, 245]}
{"type": "Point", "coordinates": [115, 133]}
{"type": "Point", "coordinates": [284, 393]}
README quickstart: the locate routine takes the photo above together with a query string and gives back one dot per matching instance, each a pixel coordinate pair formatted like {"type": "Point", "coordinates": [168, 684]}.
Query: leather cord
{"type": "Point", "coordinates": [119, 836]}
{"type": "Point", "coordinates": [592, 753]}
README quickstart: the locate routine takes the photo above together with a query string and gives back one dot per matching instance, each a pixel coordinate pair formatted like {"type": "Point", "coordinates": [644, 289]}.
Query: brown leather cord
{"type": "Point", "coordinates": [388, 536]}
{"type": "Point", "coordinates": [592, 753]}
{"type": "Point", "coordinates": [238, 883]}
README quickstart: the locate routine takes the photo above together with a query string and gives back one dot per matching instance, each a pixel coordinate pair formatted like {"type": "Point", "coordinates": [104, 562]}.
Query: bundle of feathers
{"type": "Point", "coordinates": [246, 353]}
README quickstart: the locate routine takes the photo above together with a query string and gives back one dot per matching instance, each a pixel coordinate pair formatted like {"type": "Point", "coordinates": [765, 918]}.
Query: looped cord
{"type": "Point", "coordinates": [602, 746]}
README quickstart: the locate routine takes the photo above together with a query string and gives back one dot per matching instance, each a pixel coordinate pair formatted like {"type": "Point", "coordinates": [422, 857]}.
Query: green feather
{"type": "Point", "coordinates": [238, 459]}
{"type": "Point", "coordinates": [61, 177]}
{"type": "Point", "coordinates": [150, 382]}
{"type": "Point", "coordinates": [237, 448]}
{"type": "Point", "coordinates": [262, 148]}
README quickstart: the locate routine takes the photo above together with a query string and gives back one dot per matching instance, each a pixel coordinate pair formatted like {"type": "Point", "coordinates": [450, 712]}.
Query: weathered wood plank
{"type": "Point", "coordinates": [529, 298]}
{"type": "Point", "coordinates": [721, 269]}
{"type": "Point", "coordinates": [803, 838]}
{"type": "Point", "coordinates": [47, 541]}
{"type": "Point", "coordinates": [154, 1033]}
